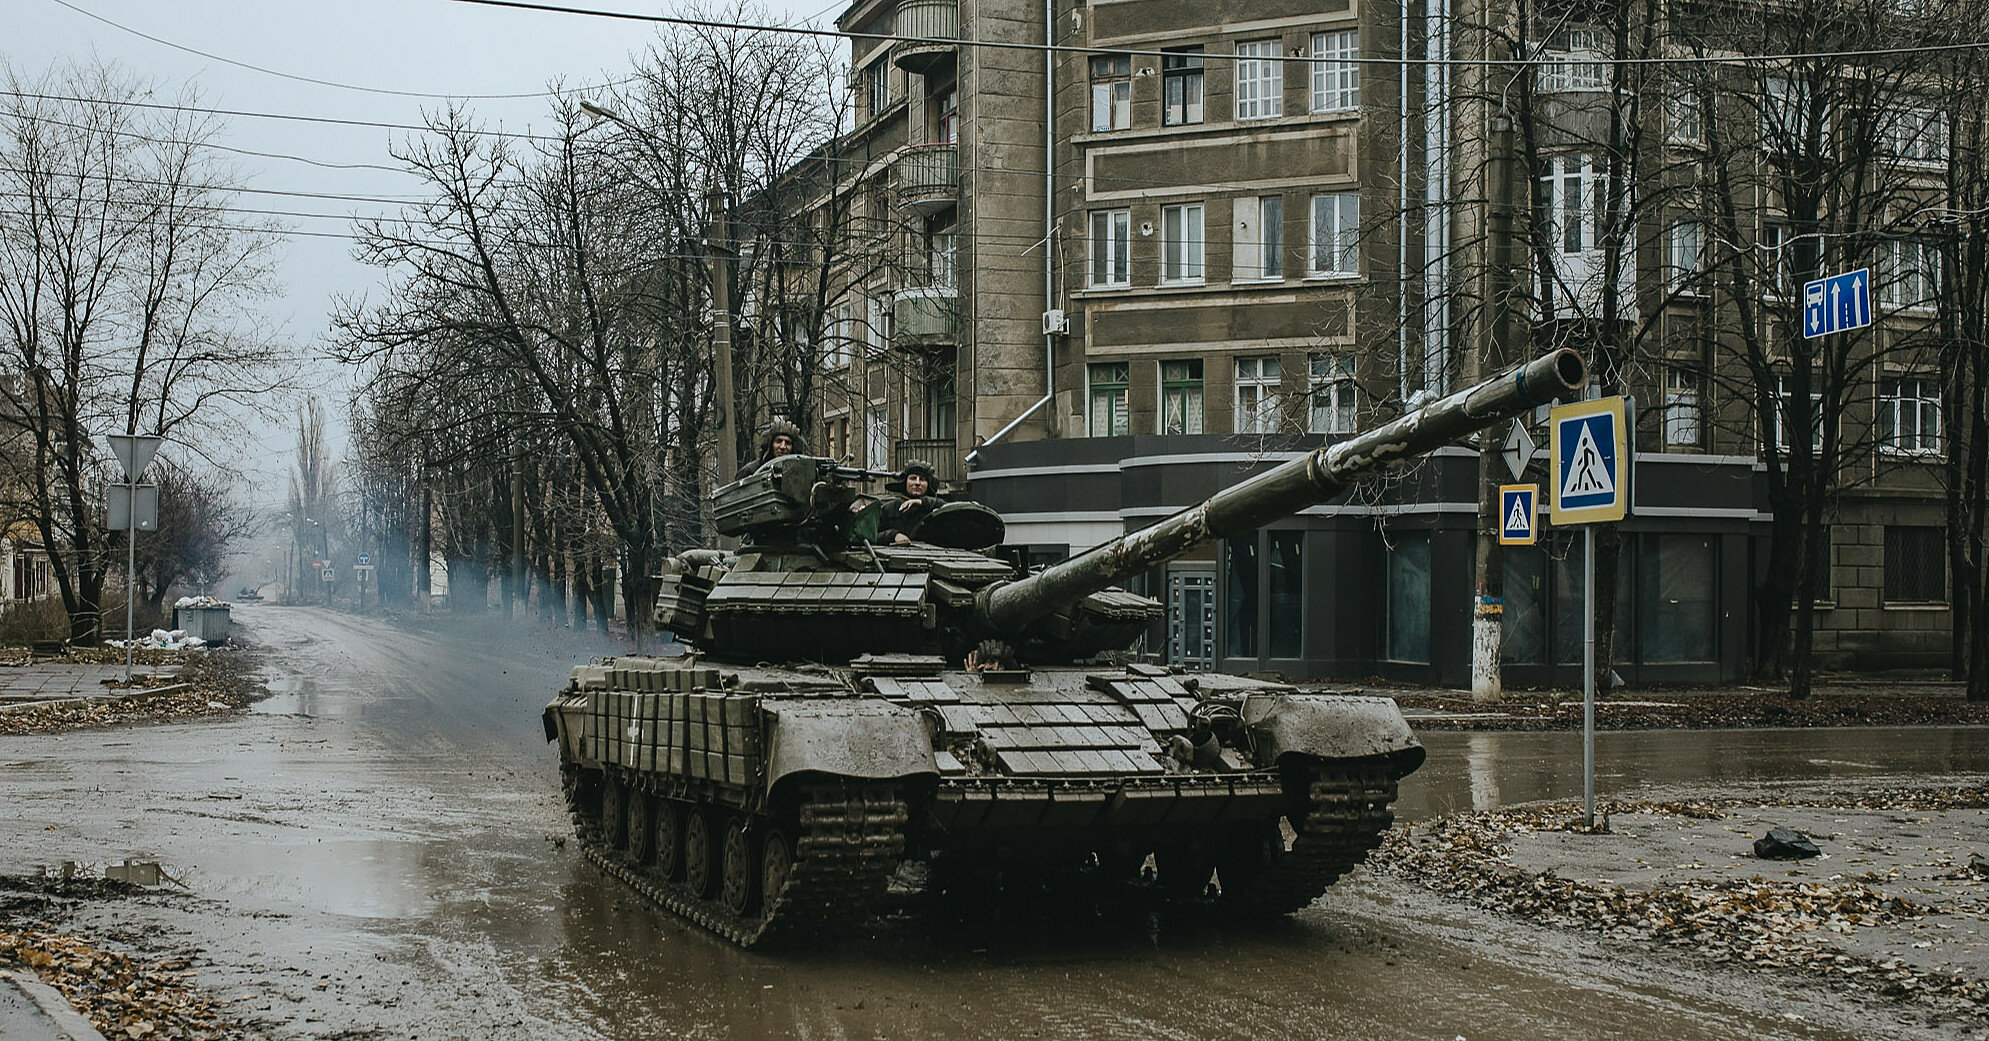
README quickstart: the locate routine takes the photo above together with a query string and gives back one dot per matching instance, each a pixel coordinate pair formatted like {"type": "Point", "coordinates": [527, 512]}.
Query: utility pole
{"type": "Point", "coordinates": [1488, 605]}
{"type": "Point", "coordinates": [718, 243]}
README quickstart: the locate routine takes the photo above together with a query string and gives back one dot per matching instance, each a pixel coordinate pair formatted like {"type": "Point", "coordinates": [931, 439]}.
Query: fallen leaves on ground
{"type": "Point", "coordinates": [122, 996]}
{"type": "Point", "coordinates": [1773, 923]}
{"type": "Point", "coordinates": [208, 683]}
{"type": "Point", "coordinates": [1650, 709]}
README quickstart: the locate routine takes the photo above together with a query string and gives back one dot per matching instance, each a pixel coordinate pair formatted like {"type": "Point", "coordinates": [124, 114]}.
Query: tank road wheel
{"type": "Point", "coordinates": [641, 828]}
{"type": "Point", "coordinates": [1243, 863]}
{"type": "Point", "coordinates": [737, 868]}
{"type": "Point", "coordinates": [614, 813]}
{"type": "Point", "coordinates": [700, 854]}
{"type": "Point", "coordinates": [669, 820]}
{"type": "Point", "coordinates": [1184, 871]}
{"type": "Point", "coordinates": [776, 865]}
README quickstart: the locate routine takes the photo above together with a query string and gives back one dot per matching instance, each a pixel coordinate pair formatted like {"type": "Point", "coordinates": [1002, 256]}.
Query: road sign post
{"type": "Point", "coordinates": [134, 453]}
{"type": "Point", "coordinates": [1590, 470]}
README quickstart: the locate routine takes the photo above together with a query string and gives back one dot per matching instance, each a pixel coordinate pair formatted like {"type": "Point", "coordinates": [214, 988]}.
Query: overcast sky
{"type": "Point", "coordinates": [436, 47]}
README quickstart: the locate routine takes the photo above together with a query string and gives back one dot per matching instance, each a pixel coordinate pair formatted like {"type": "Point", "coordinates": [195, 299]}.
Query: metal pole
{"type": "Point", "coordinates": [130, 576]}
{"type": "Point", "coordinates": [1588, 675]}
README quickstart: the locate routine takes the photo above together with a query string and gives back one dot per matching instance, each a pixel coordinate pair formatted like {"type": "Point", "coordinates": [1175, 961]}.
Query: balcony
{"type": "Point", "coordinates": [928, 178]}
{"type": "Point", "coordinates": [932, 26]}
{"type": "Point", "coordinates": [939, 451]}
{"type": "Point", "coordinates": [925, 317]}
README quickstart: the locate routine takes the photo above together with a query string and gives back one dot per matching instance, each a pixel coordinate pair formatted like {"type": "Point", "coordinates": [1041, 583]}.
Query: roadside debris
{"type": "Point", "coordinates": [1785, 844]}
{"type": "Point", "coordinates": [207, 684]}
{"type": "Point", "coordinates": [162, 640]}
{"type": "Point", "coordinates": [200, 601]}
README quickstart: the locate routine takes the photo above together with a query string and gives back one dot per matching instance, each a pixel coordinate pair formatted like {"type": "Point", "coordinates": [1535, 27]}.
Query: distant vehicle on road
{"type": "Point", "coordinates": [248, 595]}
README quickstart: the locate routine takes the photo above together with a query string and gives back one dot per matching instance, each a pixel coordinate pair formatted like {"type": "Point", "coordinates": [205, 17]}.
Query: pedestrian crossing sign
{"type": "Point", "coordinates": [1517, 506]}
{"type": "Point", "coordinates": [1590, 461]}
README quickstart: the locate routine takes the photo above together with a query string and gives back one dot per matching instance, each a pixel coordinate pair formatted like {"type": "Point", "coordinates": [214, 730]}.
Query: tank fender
{"type": "Point", "coordinates": [848, 737]}
{"type": "Point", "coordinates": [1329, 726]}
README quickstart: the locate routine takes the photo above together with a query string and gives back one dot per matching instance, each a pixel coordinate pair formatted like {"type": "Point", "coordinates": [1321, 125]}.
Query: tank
{"type": "Point", "coordinates": [845, 707]}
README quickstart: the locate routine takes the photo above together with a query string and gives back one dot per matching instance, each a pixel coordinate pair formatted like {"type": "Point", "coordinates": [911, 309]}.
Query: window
{"type": "Point", "coordinates": [1675, 598]}
{"type": "Point", "coordinates": [1336, 226]}
{"type": "Point", "coordinates": [1684, 262]}
{"type": "Point", "coordinates": [1181, 243]}
{"type": "Point", "coordinates": [946, 126]}
{"type": "Point", "coordinates": [1109, 386]}
{"type": "Point", "coordinates": [1336, 71]}
{"type": "Point", "coordinates": [1409, 598]}
{"type": "Point", "coordinates": [1909, 416]}
{"type": "Point", "coordinates": [1685, 123]}
{"type": "Point", "coordinates": [1909, 271]}
{"type": "Point", "coordinates": [1778, 268]}
{"type": "Point", "coordinates": [1191, 616]}
{"type": "Point", "coordinates": [1793, 119]}
{"type": "Point", "coordinates": [1111, 247]}
{"type": "Point", "coordinates": [942, 254]}
{"type": "Point", "coordinates": [1260, 80]}
{"type": "Point", "coordinates": [837, 352]}
{"type": "Point", "coordinates": [1332, 394]}
{"type": "Point", "coordinates": [1260, 238]}
{"type": "Point", "coordinates": [1181, 397]}
{"type": "Point", "coordinates": [1257, 382]}
{"type": "Point", "coordinates": [877, 86]}
{"type": "Point", "coordinates": [1916, 134]}
{"type": "Point", "coordinates": [1239, 596]}
{"type": "Point", "coordinates": [1573, 61]}
{"type": "Point", "coordinates": [1181, 87]}
{"type": "Point", "coordinates": [835, 437]}
{"type": "Point", "coordinates": [1285, 620]}
{"type": "Point", "coordinates": [1915, 566]}
{"type": "Point", "coordinates": [1111, 92]}
{"type": "Point", "coordinates": [1785, 403]}
{"type": "Point", "coordinates": [939, 391]}
{"type": "Point", "coordinates": [1571, 201]}
{"type": "Point", "coordinates": [878, 331]}
{"type": "Point", "coordinates": [1681, 408]}
{"type": "Point", "coordinates": [876, 439]}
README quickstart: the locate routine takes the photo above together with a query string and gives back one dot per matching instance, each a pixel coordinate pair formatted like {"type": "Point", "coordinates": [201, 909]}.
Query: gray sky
{"type": "Point", "coordinates": [422, 46]}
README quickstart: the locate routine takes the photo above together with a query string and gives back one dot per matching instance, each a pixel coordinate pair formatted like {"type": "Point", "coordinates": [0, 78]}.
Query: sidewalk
{"type": "Point", "coordinates": [34, 1011]}
{"type": "Point", "coordinates": [44, 684]}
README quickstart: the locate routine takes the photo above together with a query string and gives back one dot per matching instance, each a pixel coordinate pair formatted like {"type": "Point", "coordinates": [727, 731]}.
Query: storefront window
{"type": "Point", "coordinates": [1675, 577]}
{"type": "Point", "coordinates": [1239, 558]}
{"type": "Point", "coordinates": [1287, 579]}
{"type": "Point", "coordinates": [1409, 598]}
{"type": "Point", "coordinates": [1523, 639]}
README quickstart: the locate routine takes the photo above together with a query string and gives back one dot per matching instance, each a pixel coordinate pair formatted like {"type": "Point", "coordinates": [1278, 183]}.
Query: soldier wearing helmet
{"type": "Point", "coordinates": [780, 438]}
{"type": "Point", "coordinates": [917, 485]}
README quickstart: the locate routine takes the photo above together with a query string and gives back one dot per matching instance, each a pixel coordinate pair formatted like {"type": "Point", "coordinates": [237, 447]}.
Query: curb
{"type": "Point", "coordinates": [61, 1021]}
{"type": "Point", "coordinates": [91, 699]}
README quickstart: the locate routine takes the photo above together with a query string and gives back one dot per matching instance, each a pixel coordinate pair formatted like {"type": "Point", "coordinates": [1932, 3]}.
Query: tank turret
{"type": "Point", "coordinates": [851, 705]}
{"type": "Point", "coordinates": [807, 583]}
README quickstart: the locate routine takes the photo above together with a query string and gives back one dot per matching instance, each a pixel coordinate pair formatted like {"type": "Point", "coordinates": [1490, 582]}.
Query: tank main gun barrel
{"type": "Point", "coordinates": [1280, 492]}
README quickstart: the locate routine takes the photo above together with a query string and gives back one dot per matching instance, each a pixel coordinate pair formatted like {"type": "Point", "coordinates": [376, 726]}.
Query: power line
{"type": "Point", "coordinates": [329, 83]}
{"type": "Point", "coordinates": [707, 23]}
{"type": "Point", "coordinates": [252, 114]}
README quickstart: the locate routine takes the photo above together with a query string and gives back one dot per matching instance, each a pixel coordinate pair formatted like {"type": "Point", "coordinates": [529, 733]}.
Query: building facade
{"type": "Point", "coordinates": [1151, 247]}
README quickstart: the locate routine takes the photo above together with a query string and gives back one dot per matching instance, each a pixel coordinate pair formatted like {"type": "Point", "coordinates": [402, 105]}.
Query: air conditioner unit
{"type": "Point", "coordinates": [1055, 322]}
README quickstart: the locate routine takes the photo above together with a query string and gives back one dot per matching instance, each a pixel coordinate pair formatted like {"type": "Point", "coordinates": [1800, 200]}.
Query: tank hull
{"type": "Point", "coordinates": [766, 803]}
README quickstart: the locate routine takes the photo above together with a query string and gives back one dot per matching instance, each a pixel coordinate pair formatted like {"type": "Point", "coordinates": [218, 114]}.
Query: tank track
{"type": "Point", "coordinates": [850, 840]}
{"type": "Point", "coordinates": [1346, 816]}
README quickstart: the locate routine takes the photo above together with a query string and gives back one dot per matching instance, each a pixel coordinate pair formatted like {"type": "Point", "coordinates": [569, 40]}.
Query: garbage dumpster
{"type": "Point", "coordinates": [208, 623]}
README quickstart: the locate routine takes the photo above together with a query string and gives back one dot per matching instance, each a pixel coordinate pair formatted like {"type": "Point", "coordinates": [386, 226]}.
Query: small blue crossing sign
{"type": "Point", "coordinates": [1517, 505]}
{"type": "Point", "coordinates": [1590, 462]}
{"type": "Point", "coordinates": [1837, 304]}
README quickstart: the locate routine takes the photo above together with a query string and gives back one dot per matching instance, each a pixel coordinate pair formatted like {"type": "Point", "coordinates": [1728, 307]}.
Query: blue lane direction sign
{"type": "Point", "coordinates": [1590, 462]}
{"type": "Point", "coordinates": [1837, 304]}
{"type": "Point", "coordinates": [1518, 503]}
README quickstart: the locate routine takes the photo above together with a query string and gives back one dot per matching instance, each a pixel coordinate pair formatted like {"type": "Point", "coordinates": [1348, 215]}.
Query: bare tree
{"type": "Point", "coordinates": [126, 272]}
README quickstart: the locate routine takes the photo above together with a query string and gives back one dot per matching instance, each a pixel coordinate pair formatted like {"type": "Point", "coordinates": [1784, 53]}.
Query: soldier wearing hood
{"type": "Point", "coordinates": [780, 438]}
{"type": "Point", "coordinates": [918, 485]}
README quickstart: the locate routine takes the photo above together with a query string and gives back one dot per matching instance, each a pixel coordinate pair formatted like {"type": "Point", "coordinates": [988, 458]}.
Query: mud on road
{"type": "Point", "coordinates": [380, 851]}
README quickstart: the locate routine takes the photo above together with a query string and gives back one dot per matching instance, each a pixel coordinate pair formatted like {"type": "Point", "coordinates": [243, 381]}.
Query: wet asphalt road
{"type": "Point", "coordinates": [379, 852]}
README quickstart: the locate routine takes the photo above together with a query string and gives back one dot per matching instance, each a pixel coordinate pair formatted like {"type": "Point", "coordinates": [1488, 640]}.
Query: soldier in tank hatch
{"type": "Point", "coordinates": [780, 438]}
{"type": "Point", "coordinates": [917, 485]}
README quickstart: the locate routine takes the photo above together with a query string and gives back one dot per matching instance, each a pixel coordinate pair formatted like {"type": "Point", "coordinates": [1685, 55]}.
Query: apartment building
{"type": "Point", "coordinates": [1150, 247]}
